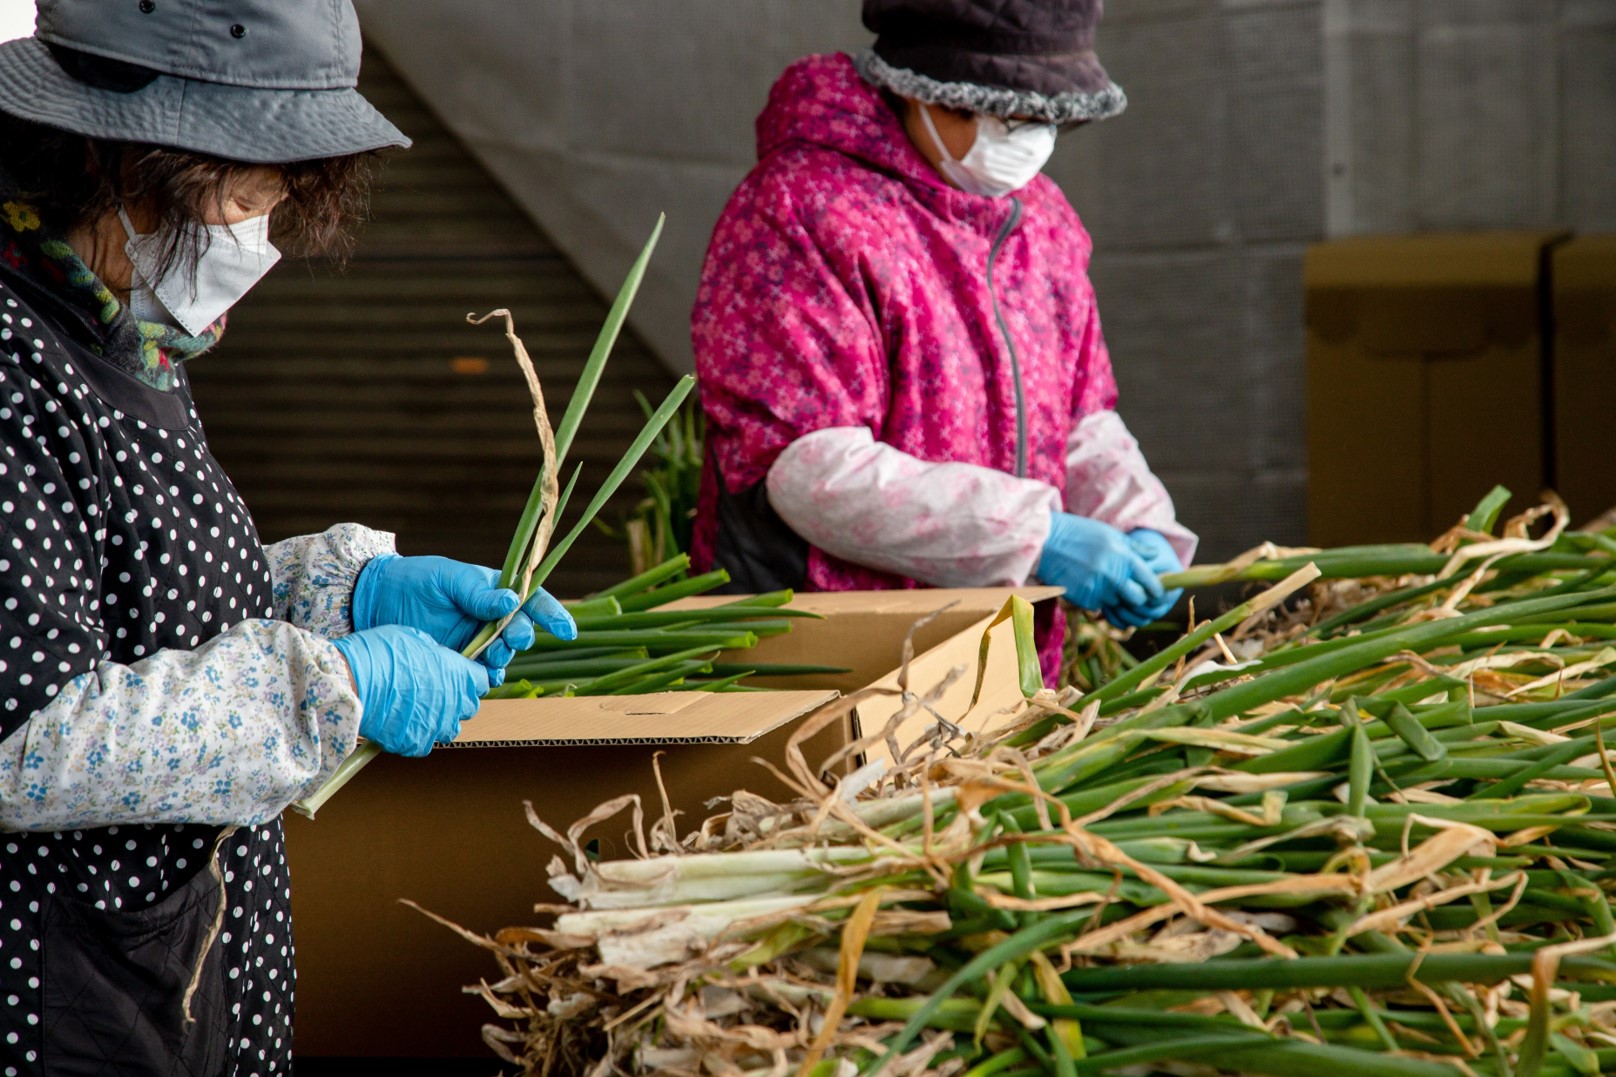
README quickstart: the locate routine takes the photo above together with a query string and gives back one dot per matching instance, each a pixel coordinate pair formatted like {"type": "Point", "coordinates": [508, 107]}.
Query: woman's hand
{"type": "Point", "coordinates": [1162, 559]}
{"type": "Point", "coordinates": [1101, 569]}
{"type": "Point", "coordinates": [450, 601]}
{"type": "Point", "coordinates": [413, 692]}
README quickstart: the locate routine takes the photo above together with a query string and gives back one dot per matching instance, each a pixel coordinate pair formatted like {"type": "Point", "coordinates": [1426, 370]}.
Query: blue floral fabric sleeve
{"type": "Point", "coordinates": [228, 733]}
{"type": "Point", "coordinates": [144, 674]}
{"type": "Point", "coordinates": [315, 575]}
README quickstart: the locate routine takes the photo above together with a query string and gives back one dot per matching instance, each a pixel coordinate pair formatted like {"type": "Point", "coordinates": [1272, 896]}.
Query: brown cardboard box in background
{"type": "Point", "coordinates": [1584, 282]}
{"type": "Point", "coordinates": [1425, 380]}
{"type": "Point", "coordinates": [377, 979]}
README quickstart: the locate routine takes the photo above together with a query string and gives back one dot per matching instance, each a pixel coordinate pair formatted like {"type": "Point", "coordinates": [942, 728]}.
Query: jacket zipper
{"type": "Point", "coordinates": [1004, 330]}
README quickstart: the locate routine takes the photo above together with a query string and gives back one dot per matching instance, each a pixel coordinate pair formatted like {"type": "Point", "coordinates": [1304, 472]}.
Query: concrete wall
{"type": "Point", "coordinates": [1202, 198]}
{"type": "Point", "coordinates": [599, 114]}
{"type": "Point", "coordinates": [1256, 127]}
{"type": "Point", "coordinates": [1464, 114]}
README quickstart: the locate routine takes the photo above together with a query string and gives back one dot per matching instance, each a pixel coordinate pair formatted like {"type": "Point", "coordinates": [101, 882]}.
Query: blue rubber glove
{"type": "Point", "coordinates": [1160, 556]}
{"type": "Point", "coordinates": [1098, 567]}
{"type": "Point", "coordinates": [414, 692]}
{"type": "Point", "coordinates": [450, 601]}
{"type": "Point", "coordinates": [1125, 616]}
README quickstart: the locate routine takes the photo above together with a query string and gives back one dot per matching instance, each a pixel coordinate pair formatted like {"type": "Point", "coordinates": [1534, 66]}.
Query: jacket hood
{"type": "Point", "coordinates": [822, 101]}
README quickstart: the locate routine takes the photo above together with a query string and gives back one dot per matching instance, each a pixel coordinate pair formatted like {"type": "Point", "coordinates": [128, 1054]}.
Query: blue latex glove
{"type": "Point", "coordinates": [1125, 616]}
{"type": "Point", "coordinates": [415, 693]}
{"type": "Point", "coordinates": [1099, 568]}
{"type": "Point", "coordinates": [1160, 556]}
{"type": "Point", "coordinates": [450, 601]}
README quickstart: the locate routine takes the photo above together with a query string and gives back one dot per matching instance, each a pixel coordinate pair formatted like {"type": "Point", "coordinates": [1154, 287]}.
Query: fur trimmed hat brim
{"type": "Point", "coordinates": [1069, 107]}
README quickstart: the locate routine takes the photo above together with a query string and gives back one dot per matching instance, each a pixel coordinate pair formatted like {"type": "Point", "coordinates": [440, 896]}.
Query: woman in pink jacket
{"type": "Point", "coordinates": [899, 350]}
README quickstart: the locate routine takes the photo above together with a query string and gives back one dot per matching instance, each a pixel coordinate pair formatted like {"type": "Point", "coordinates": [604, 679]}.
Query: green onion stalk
{"type": "Point", "coordinates": [1358, 824]}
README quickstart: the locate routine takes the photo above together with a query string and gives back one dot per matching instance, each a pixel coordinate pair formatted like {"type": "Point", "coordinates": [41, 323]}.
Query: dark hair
{"type": "Point", "coordinates": [75, 181]}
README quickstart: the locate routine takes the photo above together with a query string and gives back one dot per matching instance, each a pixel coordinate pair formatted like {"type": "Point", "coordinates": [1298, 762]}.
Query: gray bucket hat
{"type": "Point", "coordinates": [262, 81]}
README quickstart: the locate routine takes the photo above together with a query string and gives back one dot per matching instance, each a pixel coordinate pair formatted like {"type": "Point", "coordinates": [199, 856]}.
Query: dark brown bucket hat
{"type": "Point", "coordinates": [1031, 58]}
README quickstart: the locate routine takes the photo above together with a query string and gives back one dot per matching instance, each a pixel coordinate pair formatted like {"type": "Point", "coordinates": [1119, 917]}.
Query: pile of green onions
{"type": "Point", "coordinates": [1352, 826]}
{"type": "Point", "coordinates": [630, 643]}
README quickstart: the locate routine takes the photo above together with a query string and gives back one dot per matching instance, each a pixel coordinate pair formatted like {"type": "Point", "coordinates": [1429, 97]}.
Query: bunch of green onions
{"type": "Point", "coordinates": [630, 643]}
{"type": "Point", "coordinates": [1308, 839]}
{"type": "Point", "coordinates": [531, 558]}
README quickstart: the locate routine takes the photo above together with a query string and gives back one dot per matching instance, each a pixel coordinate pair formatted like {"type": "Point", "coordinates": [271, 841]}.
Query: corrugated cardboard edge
{"type": "Point", "coordinates": [661, 718]}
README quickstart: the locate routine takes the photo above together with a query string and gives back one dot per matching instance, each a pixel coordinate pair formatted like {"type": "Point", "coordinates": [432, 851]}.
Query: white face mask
{"type": "Point", "coordinates": [236, 258]}
{"type": "Point", "coordinates": [1001, 160]}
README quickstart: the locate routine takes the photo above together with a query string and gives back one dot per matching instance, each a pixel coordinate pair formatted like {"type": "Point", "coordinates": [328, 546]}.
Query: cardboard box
{"type": "Point", "coordinates": [1425, 380]}
{"type": "Point", "coordinates": [377, 979]}
{"type": "Point", "coordinates": [1584, 284]}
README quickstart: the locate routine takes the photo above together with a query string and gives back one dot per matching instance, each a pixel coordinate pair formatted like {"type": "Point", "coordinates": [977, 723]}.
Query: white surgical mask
{"type": "Point", "coordinates": [1001, 159]}
{"type": "Point", "coordinates": [237, 257]}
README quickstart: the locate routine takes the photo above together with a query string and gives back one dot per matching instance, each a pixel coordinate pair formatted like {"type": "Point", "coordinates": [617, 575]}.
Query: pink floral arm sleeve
{"type": "Point", "coordinates": [946, 524]}
{"type": "Point", "coordinates": [1107, 479]}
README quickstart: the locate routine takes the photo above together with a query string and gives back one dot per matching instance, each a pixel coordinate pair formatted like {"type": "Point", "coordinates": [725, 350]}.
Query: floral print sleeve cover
{"type": "Point", "coordinates": [229, 729]}
{"type": "Point", "coordinates": [960, 525]}
{"type": "Point", "coordinates": [315, 575]}
{"type": "Point", "coordinates": [944, 524]}
{"type": "Point", "coordinates": [1108, 479]}
{"type": "Point", "coordinates": [229, 733]}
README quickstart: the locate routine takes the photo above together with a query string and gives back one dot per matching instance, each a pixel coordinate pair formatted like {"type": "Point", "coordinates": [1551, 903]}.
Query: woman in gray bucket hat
{"type": "Point", "coordinates": [168, 684]}
{"type": "Point", "coordinates": [901, 360]}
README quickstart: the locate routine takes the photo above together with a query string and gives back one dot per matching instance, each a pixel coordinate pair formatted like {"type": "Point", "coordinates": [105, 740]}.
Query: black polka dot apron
{"type": "Point", "coordinates": [139, 949]}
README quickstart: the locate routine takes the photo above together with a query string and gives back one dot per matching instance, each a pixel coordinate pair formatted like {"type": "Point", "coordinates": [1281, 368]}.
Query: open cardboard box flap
{"type": "Point", "coordinates": [862, 631]}
{"type": "Point", "coordinates": [946, 676]}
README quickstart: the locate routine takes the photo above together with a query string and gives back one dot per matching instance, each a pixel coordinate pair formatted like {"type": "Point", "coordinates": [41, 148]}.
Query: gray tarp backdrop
{"type": "Point", "coordinates": [1255, 127]}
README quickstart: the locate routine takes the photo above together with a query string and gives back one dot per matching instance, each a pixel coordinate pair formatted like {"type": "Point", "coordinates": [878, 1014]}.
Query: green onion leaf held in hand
{"type": "Point", "coordinates": [659, 656]}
